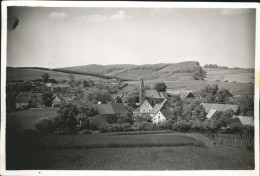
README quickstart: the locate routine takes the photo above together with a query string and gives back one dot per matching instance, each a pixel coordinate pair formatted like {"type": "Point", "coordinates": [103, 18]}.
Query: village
{"type": "Point", "coordinates": [87, 106]}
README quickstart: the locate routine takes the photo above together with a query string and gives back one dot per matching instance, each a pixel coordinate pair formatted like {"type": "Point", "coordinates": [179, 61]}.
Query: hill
{"type": "Point", "coordinates": [182, 71]}
{"type": "Point", "coordinates": [230, 75]}
{"type": "Point", "coordinates": [14, 74]}
{"type": "Point", "coordinates": [162, 71]}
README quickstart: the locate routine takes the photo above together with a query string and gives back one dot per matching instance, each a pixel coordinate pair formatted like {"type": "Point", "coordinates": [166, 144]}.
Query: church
{"type": "Point", "coordinates": [149, 98]}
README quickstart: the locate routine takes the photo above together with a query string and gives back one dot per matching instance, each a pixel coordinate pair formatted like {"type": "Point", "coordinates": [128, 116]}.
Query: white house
{"type": "Point", "coordinates": [146, 107]}
{"type": "Point", "coordinates": [158, 107]}
{"type": "Point", "coordinates": [245, 120]}
{"type": "Point", "coordinates": [161, 116]}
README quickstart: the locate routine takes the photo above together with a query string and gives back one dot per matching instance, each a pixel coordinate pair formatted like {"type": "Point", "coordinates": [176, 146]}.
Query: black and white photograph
{"type": "Point", "coordinates": [129, 88]}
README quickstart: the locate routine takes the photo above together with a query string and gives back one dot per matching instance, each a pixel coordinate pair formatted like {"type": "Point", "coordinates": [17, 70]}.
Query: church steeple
{"type": "Point", "coordinates": [142, 93]}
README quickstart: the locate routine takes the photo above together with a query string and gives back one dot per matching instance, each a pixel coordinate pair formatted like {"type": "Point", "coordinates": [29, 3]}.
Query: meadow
{"type": "Point", "coordinates": [144, 150]}
{"type": "Point", "coordinates": [195, 85]}
{"type": "Point", "coordinates": [31, 74]}
{"type": "Point", "coordinates": [26, 120]}
{"type": "Point", "coordinates": [170, 151]}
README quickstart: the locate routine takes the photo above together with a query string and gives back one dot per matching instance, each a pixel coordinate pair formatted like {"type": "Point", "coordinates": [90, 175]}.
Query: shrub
{"type": "Point", "coordinates": [182, 126]}
{"type": "Point", "coordinates": [45, 126]}
{"type": "Point", "coordinates": [146, 126]}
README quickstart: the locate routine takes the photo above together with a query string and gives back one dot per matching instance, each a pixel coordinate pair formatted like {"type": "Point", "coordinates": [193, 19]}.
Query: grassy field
{"type": "Point", "coordinates": [194, 85]}
{"type": "Point", "coordinates": [27, 119]}
{"type": "Point", "coordinates": [31, 74]}
{"type": "Point", "coordinates": [121, 157]}
{"type": "Point", "coordinates": [116, 141]}
{"type": "Point", "coordinates": [238, 75]}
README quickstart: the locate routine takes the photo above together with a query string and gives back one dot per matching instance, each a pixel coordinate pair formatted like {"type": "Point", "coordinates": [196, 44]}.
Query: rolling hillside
{"type": "Point", "coordinates": [230, 75]}
{"type": "Point", "coordinates": [31, 74]}
{"type": "Point", "coordinates": [161, 71]}
{"type": "Point", "coordinates": [182, 71]}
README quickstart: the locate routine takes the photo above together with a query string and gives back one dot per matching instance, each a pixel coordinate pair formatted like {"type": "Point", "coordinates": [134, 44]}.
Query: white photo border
{"type": "Point", "coordinates": [126, 4]}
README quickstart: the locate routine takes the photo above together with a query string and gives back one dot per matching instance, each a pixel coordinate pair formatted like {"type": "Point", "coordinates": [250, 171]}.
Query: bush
{"type": "Point", "coordinates": [45, 126]}
{"type": "Point", "coordinates": [182, 126]}
{"type": "Point", "coordinates": [146, 126]}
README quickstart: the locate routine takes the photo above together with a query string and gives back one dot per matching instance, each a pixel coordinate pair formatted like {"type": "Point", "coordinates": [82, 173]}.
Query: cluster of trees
{"type": "Point", "coordinates": [214, 66]}
{"type": "Point", "coordinates": [88, 83]}
{"type": "Point", "coordinates": [199, 74]}
{"type": "Point", "coordinates": [212, 94]}
{"type": "Point", "coordinates": [66, 120]}
{"type": "Point", "coordinates": [160, 87]}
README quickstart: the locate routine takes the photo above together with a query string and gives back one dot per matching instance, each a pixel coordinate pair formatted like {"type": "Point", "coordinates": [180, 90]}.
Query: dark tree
{"type": "Point", "coordinates": [47, 98]}
{"type": "Point", "coordinates": [160, 87]}
{"type": "Point", "coordinates": [199, 74]}
{"type": "Point", "coordinates": [66, 119]}
{"type": "Point", "coordinates": [45, 77]}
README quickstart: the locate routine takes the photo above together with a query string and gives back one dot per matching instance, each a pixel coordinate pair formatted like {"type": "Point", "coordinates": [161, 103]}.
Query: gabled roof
{"type": "Point", "coordinates": [61, 97]}
{"type": "Point", "coordinates": [182, 93]}
{"type": "Point", "coordinates": [118, 108]}
{"type": "Point", "coordinates": [112, 108]}
{"type": "Point", "coordinates": [166, 113]}
{"type": "Point", "coordinates": [155, 94]}
{"type": "Point", "coordinates": [219, 107]}
{"type": "Point", "coordinates": [146, 101]}
{"type": "Point", "coordinates": [22, 97]}
{"type": "Point", "coordinates": [158, 107]}
{"type": "Point", "coordinates": [245, 120]}
{"type": "Point", "coordinates": [211, 113]}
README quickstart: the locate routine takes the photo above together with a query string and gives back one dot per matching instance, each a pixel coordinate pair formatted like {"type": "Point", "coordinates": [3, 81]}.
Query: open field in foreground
{"type": "Point", "coordinates": [124, 152]}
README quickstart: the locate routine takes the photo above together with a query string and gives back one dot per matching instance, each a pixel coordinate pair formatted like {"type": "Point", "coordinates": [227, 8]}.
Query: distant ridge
{"type": "Point", "coordinates": [163, 71]}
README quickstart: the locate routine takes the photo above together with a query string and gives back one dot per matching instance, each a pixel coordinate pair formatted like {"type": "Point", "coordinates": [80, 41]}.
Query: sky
{"type": "Point", "coordinates": [64, 36]}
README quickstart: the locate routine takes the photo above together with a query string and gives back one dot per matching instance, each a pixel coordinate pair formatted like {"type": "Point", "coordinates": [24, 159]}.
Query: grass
{"type": "Point", "coordinates": [31, 74]}
{"type": "Point", "coordinates": [28, 118]}
{"type": "Point", "coordinates": [238, 75]}
{"type": "Point", "coordinates": [194, 85]}
{"type": "Point", "coordinates": [116, 141]}
{"type": "Point", "coordinates": [170, 151]}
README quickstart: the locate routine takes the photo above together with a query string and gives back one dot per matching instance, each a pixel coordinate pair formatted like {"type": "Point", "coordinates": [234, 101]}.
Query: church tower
{"type": "Point", "coordinates": [142, 93]}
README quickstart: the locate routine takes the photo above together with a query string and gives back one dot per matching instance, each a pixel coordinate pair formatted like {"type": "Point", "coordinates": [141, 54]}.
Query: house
{"type": "Point", "coordinates": [48, 84]}
{"type": "Point", "coordinates": [117, 98]}
{"type": "Point", "coordinates": [97, 122]}
{"type": "Point", "coordinates": [61, 86]}
{"type": "Point", "coordinates": [219, 107]}
{"type": "Point", "coordinates": [211, 113]}
{"type": "Point", "coordinates": [153, 96]}
{"type": "Point", "coordinates": [36, 100]}
{"type": "Point", "coordinates": [161, 116]}
{"type": "Point", "coordinates": [159, 107]}
{"type": "Point", "coordinates": [146, 107]}
{"type": "Point", "coordinates": [111, 108]}
{"type": "Point", "coordinates": [183, 94]}
{"type": "Point", "coordinates": [111, 111]}
{"type": "Point", "coordinates": [244, 120]}
{"type": "Point", "coordinates": [22, 100]}
{"type": "Point", "coordinates": [94, 123]}
{"type": "Point", "coordinates": [58, 99]}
